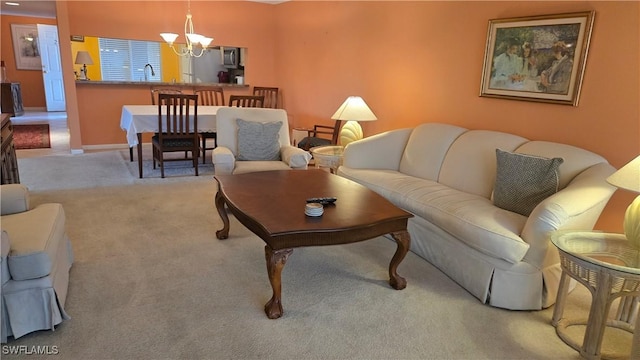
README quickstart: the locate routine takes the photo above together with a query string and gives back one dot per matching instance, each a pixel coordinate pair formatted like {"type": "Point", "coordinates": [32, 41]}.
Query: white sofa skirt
{"type": "Point", "coordinates": [518, 286]}
{"type": "Point", "coordinates": [38, 304]}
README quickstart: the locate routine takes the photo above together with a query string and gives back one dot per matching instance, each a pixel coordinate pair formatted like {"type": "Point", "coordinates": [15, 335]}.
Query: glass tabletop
{"type": "Point", "coordinates": [327, 150]}
{"type": "Point", "coordinates": [612, 251]}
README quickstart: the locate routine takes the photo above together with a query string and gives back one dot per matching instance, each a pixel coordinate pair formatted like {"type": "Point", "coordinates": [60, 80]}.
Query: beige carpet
{"type": "Point", "coordinates": [151, 281]}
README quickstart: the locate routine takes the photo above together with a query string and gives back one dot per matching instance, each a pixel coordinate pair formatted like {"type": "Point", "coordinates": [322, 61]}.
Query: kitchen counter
{"type": "Point", "coordinates": [149, 83]}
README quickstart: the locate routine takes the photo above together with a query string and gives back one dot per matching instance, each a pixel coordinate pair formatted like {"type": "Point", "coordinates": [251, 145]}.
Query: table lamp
{"type": "Point", "coordinates": [352, 110]}
{"type": "Point", "coordinates": [83, 57]}
{"type": "Point", "coordinates": [628, 178]}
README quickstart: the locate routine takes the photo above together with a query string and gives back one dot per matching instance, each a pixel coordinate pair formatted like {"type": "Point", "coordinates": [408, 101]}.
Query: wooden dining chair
{"type": "Point", "coordinates": [246, 101]}
{"type": "Point", "coordinates": [155, 91]}
{"type": "Point", "coordinates": [321, 135]}
{"type": "Point", "coordinates": [176, 132]}
{"type": "Point", "coordinates": [209, 96]}
{"type": "Point", "coordinates": [154, 96]}
{"type": "Point", "coordinates": [270, 95]}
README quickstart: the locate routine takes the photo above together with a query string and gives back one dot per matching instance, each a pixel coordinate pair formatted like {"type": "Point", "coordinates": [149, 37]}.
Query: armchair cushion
{"type": "Point", "coordinates": [33, 248]}
{"type": "Point", "coordinates": [523, 181]}
{"type": "Point", "coordinates": [258, 141]}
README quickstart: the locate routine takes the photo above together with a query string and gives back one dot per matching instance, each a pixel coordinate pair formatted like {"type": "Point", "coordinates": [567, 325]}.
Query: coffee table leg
{"type": "Point", "coordinates": [275, 262]}
{"type": "Point", "coordinates": [403, 240]}
{"type": "Point", "coordinates": [224, 232]}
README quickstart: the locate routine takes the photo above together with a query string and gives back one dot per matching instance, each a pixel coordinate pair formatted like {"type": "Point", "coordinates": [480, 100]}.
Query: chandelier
{"type": "Point", "coordinates": [192, 38]}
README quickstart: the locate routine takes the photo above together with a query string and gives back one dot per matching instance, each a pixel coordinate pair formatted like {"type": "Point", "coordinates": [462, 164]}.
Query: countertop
{"type": "Point", "coordinates": [148, 83]}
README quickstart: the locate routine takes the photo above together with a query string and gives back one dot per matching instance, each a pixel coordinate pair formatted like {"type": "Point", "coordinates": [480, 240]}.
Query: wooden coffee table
{"type": "Point", "coordinates": [271, 204]}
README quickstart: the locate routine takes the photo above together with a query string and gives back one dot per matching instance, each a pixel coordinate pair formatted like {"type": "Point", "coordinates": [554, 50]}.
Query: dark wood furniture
{"type": "Point", "coordinates": [321, 135]}
{"type": "Point", "coordinates": [9, 160]}
{"type": "Point", "coordinates": [155, 91]}
{"type": "Point", "coordinates": [12, 99]}
{"type": "Point", "coordinates": [209, 96]}
{"type": "Point", "coordinates": [270, 95]}
{"type": "Point", "coordinates": [176, 131]}
{"type": "Point", "coordinates": [271, 204]}
{"type": "Point", "coordinates": [246, 100]}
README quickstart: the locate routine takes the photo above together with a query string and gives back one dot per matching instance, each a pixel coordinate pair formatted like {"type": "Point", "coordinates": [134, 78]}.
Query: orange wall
{"type": "Point", "coordinates": [416, 62]}
{"type": "Point", "coordinates": [31, 84]}
{"type": "Point", "coordinates": [413, 62]}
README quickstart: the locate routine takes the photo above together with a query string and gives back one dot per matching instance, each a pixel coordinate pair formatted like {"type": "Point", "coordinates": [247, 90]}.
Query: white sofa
{"type": "Point", "coordinates": [445, 176]}
{"type": "Point", "coordinates": [226, 156]}
{"type": "Point", "coordinates": [35, 263]}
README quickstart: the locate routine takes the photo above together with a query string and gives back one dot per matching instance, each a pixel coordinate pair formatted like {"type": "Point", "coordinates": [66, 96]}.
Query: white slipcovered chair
{"type": "Point", "coordinates": [255, 139]}
{"type": "Point", "coordinates": [35, 263]}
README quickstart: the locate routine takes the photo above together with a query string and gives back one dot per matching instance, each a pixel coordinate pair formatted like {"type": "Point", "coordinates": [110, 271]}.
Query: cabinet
{"type": "Point", "coordinates": [12, 99]}
{"type": "Point", "coordinates": [8, 155]}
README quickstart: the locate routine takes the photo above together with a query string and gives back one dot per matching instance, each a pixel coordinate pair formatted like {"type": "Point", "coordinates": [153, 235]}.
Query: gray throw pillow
{"type": "Point", "coordinates": [258, 141]}
{"type": "Point", "coordinates": [523, 181]}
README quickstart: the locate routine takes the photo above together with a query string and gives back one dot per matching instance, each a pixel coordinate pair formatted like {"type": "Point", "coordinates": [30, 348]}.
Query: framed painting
{"type": "Point", "coordinates": [25, 47]}
{"type": "Point", "coordinates": [537, 58]}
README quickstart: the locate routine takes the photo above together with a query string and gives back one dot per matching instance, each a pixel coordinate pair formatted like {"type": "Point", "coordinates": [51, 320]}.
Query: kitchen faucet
{"type": "Point", "coordinates": [145, 72]}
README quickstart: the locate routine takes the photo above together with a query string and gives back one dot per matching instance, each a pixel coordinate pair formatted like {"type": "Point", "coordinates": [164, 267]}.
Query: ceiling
{"type": "Point", "coordinates": [47, 9]}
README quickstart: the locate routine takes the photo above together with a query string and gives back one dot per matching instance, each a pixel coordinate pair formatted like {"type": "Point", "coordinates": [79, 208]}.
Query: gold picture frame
{"type": "Point", "coordinates": [25, 47]}
{"type": "Point", "coordinates": [537, 58]}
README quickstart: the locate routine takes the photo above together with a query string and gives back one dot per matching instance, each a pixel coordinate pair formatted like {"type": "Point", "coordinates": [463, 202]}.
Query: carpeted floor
{"type": "Point", "coordinates": [33, 136]}
{"type": "Point", "coordinates": [151, 281]}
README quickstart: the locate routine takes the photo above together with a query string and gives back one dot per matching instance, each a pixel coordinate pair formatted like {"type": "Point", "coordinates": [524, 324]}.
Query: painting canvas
{"type": "Point", "coordinates": [25, 46]}
{"type": "Point", "coordinates": [539, 58]}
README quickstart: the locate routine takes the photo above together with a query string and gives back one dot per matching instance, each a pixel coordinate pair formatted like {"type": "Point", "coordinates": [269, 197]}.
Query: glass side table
{"type": "Point", "coordinates": [610, 268]}
{"type": "Point", "coordinates": [328, 156]}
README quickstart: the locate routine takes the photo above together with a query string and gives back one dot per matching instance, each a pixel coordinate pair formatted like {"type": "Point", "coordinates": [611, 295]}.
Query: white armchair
{"type": "Point", "coordinates": [250, 140]}
{"type": "Point", "coordinates": [35, 262]}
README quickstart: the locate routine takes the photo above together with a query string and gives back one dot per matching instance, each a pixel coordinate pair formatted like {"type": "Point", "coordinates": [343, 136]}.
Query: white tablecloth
{"type": "Point", "coordinates": [144, 118]}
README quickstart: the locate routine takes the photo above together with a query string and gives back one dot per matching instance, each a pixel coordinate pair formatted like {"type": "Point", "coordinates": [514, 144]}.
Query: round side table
{"type": "Point", "coordinates": [610, 268]}
{"type": "Point", "coordinates": [328, 156]}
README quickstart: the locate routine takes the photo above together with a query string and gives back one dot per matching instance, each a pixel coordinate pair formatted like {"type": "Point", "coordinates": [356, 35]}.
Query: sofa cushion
{"type": "Point", "coordinates": [523, 181]}
{"type": "Point", "coordinates": [426, 149]}
{"type": "Point", "coordinates": [472, 219]}
{"type": "Point", "coordinates": [470, 163]}
{"type": "Point", "coordinates": [35, 237]}
{"type": "Point", "coordinates": [4, 248]}
{"type": "Point", "coordinates": [258, 141]}
{"type": "Point", "coordinates": [243, 167]}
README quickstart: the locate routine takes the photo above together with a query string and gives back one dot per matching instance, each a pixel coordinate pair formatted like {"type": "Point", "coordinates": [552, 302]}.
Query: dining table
{"type": "Point", "coordinates": [139, 119]}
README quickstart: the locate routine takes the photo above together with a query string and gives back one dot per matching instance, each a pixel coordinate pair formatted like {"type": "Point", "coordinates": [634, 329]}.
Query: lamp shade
{"type": "Point", "coordinates": [628, 177]}
{"type": "Point", "coordinates": [354, 108]}
{"type": "Point", "coordinates": [83, 58]}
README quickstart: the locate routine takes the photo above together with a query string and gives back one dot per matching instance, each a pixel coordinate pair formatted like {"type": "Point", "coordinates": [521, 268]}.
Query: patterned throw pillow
{"type": "Point", "coordinates": [523, 181]}
{"type": "Point", "coordinates": [258, 141]}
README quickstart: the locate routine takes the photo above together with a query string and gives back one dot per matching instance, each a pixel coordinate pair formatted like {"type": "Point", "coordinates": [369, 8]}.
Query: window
{"type": "Point", "coordinates": [125, 60]}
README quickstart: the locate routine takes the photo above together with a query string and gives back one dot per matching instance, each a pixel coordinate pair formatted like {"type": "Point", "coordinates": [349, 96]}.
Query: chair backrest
{"type": "Point", "coordinates": [210, 96]}
{"type": "Point", "coordinates": [227, 127]}
{"type": "Point", "coordinates": [175, 114]}
{"type": "Point", "coordinates": [155, 91]}
{"type": "Point", "coordinates": [270, 95]}
{"type": "Point", "coordinates": [246, 101]}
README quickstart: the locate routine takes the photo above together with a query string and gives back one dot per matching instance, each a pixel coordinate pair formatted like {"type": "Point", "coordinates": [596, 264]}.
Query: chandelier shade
{"type": "Point", "coordinates": [193, 40]}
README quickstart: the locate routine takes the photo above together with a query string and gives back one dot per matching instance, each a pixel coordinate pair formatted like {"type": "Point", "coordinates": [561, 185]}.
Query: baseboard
{"type": "Point", "coordinates": [105, 147]}
{"type": "Point", "coordinates": [36, 109]}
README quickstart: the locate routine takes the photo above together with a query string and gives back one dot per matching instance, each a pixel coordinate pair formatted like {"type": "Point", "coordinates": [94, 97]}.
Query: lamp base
{"type": "Point", "coordinates": [351, 131]}
{"type": "Point", "coordinates": [632, 223]}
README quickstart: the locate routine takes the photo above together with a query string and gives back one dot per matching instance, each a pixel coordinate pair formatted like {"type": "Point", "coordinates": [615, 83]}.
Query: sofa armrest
{"type": "Point", "coordinates": [382, 151]}
{"type": "Point", "coordinates": [5, 246]}
{"type": "Point", "coordinates": [15, 198]}
{"type": "Point", "coordinates": [577, 206]}
{"type": "Point", "coordinates": [294, 156]}
{"type": "Point", "coordinates": [223, 161]}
